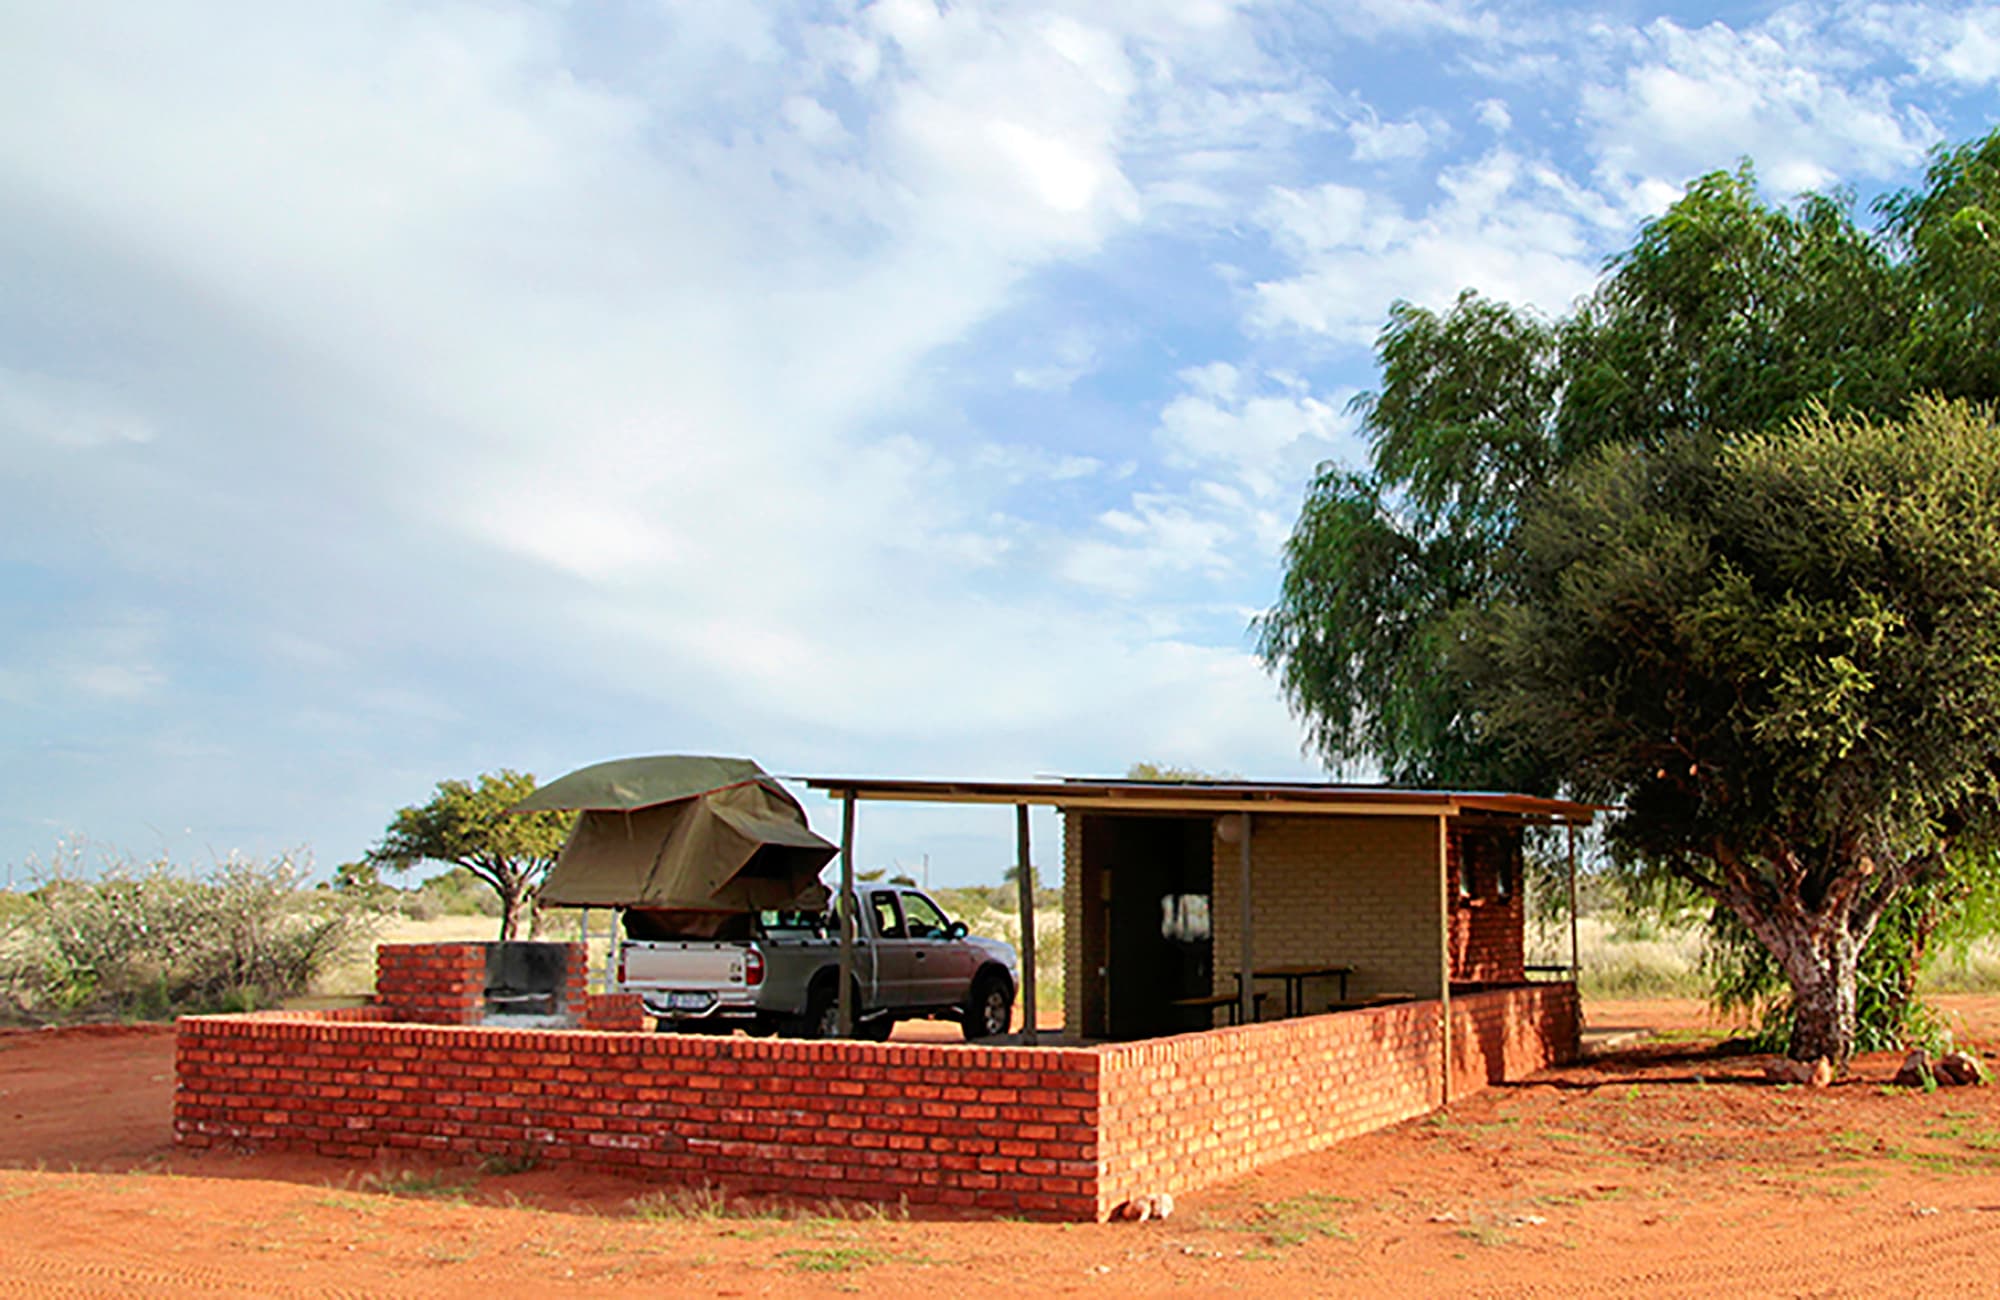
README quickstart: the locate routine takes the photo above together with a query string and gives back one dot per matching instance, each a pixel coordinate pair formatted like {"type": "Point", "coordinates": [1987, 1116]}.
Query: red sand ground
{"type": "Point", "coordinates": [1667, 1169]}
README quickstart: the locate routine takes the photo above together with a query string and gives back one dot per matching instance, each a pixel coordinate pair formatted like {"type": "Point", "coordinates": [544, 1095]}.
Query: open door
{"type": "Point", "coordinates": [1157, 877]}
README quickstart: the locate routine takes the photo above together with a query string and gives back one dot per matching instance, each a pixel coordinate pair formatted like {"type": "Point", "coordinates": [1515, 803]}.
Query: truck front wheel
{"type": "Point", "coordinates": [989, 1012]}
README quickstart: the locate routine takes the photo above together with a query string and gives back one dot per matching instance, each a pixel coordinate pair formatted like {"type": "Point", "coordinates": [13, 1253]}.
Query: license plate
{"type": "Point", "coordinates": [690, 1001]}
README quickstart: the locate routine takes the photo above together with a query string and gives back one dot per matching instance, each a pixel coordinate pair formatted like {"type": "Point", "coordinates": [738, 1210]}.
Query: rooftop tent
{"type": "Point", "coordinates": [680, 831]}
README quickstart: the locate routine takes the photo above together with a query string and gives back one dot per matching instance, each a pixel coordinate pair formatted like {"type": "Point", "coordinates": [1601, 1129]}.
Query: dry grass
{"type": "Point", "coordinates": [356, 977]}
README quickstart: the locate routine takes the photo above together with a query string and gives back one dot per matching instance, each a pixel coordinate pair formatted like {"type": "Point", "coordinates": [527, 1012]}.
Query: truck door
{"type": "Point", "coordinates": [943, 967]}
{"type": "Point", "coordinates": [896, 974]}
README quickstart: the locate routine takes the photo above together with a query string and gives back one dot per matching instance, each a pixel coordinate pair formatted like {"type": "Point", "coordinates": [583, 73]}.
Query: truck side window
{"type": "Point", "coordinates": [888, 917]}
{"type": "Point", "coordinates": [925, 921]}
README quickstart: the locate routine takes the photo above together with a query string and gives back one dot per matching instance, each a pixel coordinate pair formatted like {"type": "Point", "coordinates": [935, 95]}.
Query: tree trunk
{"type": "Point", "coordinates": [513, 901]}
{"type": "Point", "coordinates": [1823, 1013]}
{"type": "Point", "coordinates": [1823, 973]}
{"type": "Point", "coordinates": [1821, 957]}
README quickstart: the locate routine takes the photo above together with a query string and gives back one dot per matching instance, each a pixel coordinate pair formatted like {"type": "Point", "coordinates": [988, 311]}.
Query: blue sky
{"type": "Point", "coordinates": [394, 391]}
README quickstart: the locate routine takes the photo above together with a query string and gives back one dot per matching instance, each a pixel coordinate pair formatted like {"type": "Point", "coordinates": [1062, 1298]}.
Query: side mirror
{"type": "Point", "coordinates": [956, 930]}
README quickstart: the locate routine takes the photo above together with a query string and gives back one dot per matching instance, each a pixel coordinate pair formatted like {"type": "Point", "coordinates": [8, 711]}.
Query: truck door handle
{"type": "Point", "coordinates": [921, 956]}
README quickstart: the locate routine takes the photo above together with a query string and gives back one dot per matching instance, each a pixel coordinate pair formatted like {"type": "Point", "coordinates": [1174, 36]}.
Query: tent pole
{"type": "Point", "coordinates": [1027, 884]}
{"type": "Point", "coordinates": [849, 906]}
{"type": "Point", "coordinates": [1246, 1008]}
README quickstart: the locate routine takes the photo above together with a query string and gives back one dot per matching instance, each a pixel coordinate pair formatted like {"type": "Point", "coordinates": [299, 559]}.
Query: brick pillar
{"type": "Point", "coordinates": [432, 983]}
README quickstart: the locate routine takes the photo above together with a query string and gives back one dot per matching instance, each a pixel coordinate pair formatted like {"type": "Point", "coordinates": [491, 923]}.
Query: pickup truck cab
{"type": "Point", "coordinates": [779, 972]}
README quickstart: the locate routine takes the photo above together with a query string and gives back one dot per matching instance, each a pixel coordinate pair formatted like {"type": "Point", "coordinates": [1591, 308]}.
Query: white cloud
{"type": "Point", "coordinates": [506, 383]}
{"type": "Point", "coordinates": [1378, 141]}
{"type": "Point", "coordinates": [1511, 228]}
{"type": "Point", "coordinates": [1692, 101]}
{"type": "Point", "coordinates": [1155, 538]}
{"type": "Point", "coordinates": [583, 382]}
{"type": "Point", "coordinates": [1957, 44]}
{"type": "Point", "coordinates": [1262, 435]}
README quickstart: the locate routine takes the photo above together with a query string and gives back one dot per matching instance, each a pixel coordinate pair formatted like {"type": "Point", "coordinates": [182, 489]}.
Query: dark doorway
{"type": "Point", "coordinates": [1156, 880]}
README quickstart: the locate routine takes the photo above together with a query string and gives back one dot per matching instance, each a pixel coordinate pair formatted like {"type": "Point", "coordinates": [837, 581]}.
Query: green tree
{"type": "Point", "coordinates": [357, 877]}
{"type": "Point", "coordinates": [467, 825]}
{"type": "Point", "coordinates": [1950, 233]}
{"type": "Point", "coordinates": [1781, 657]}
{"type": "Point", "coordinates": [1727, 316]}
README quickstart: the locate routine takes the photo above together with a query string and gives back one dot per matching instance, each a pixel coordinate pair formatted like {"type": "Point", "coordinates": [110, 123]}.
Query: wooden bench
{"type": "Point", "coordinates": [1372, 1000]}
{"type": "Point", "coordinates": [1214, 1000]}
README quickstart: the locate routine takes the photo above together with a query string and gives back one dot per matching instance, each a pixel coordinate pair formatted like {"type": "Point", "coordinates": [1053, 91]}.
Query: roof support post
{"type": "Point", "coordinates": [1026, 879]}
{"type": "Point", "coordinates": [1444, 959]}
{"type": "Point", "coordinates": [1575, 968]}
{"type": "Point", "coordinates": [850, 908]}
{"type": "Point", "coordinates": [1246, 1012]}
{"type": "Point", "coordinates": [614, 940]}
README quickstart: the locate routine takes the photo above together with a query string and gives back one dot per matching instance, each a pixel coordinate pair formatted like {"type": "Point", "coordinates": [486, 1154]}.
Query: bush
{"type": "Point", "coordinates": [457, 892]}
{"type": "Point", "coordinates": [149, 941]}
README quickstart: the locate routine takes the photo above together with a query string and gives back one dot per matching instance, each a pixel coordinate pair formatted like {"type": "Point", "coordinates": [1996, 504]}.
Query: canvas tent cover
{"type": "Point", "coordinates": [683, 832]}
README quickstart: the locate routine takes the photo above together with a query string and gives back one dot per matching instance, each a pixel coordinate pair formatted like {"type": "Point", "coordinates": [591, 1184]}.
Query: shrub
{"type": "Point", "coordinates": [456, 892]}
{"type": "Point", "coordinates": [149, 941]}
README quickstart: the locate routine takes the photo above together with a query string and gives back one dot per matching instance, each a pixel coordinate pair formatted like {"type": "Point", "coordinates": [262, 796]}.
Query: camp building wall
{"type": "Point", "coordinates": [1352, 891]}
{"type": "Point", "coordinates": [1361, 891]}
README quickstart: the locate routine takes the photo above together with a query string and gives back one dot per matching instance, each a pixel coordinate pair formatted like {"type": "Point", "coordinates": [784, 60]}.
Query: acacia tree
{"type": "Point", "coordinates": [1782, 658]}
{"type": "Point", "coordinates": [467, 825]}
{"type": "Point", "coordinates": [1727, 316]}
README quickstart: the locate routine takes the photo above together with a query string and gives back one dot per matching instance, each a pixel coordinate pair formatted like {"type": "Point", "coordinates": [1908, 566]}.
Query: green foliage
{"type": "Point", "coordinates": [1727, 318]}
{"type": "Point", "coordinates": [357, 876]}
{"type": "Point", "coordinates": [468, 826]}
{"type": "Point", "coordinates": [1780, 656]}
{"type": "Point", "coordinates": [1791, 643]}
{"type": "Point", "coordinates": [1726, 314]}
{"type": "Point", "coordinates": [452, 893]}
{"type": "Point", "coordinates": [150, 941]}
{"type": "Point", "coordinates": [1950, 232]}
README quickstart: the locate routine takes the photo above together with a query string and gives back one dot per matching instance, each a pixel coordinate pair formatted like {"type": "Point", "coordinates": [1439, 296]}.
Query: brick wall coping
{"type": "Point", "coordinates": [366, 1024]}
{"type": "Point", "coordinates": [375, 1022]}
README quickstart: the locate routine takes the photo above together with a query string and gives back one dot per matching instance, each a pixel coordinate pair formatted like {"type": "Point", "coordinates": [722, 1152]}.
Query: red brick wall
{"type": "Point", "coordinates": [1013, 1130]}
{"type": "Point", "coordinates": [1487, 940]}
{"type": "Point", "coordinates": [1503, 1034]}
{"type": "Point", "coordinates": [1186, 1112]}
{"type": "Point", "coordinates": [432, 983]}
{"type": "Point", "coordinates": [1055, 1133]}
{"type": "Point", "coordinates": [616, 1013]}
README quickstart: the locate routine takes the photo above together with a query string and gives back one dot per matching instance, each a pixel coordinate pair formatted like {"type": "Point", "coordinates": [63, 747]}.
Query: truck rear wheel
{"type": "Point", "coordinates": [989, 1012]}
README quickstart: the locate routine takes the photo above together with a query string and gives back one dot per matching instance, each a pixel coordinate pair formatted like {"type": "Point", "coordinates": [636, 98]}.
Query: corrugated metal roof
{"type": "Point", "coordinates": [1303, 797]}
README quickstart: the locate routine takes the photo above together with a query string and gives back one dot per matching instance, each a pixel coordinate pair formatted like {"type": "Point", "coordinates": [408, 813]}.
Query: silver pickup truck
{"type": "Point", "coordinates": [779, 972]}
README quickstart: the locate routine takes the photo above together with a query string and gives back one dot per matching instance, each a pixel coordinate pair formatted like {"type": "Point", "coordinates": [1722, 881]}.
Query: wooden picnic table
{"type": "Point", "coordinates": [1295, 975]}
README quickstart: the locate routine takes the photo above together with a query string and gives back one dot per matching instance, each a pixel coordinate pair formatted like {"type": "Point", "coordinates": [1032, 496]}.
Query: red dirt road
{"type": "Point", "coordinates": [1663, 1170]}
